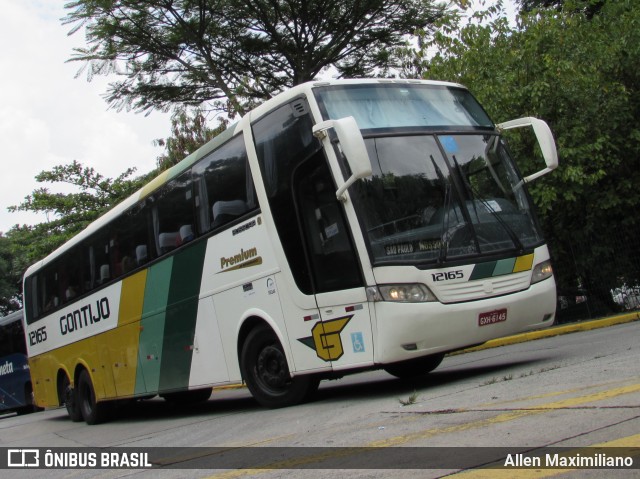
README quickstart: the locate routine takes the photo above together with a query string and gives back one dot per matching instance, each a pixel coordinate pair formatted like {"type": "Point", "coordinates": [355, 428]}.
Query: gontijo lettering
{"type": "Point", "coordinates": [85, 316]}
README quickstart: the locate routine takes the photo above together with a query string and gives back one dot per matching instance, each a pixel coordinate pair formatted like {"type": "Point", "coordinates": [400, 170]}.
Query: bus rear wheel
{"type": "Point", "coordinates": [29, 401]}
{"type": "Point", "coordinates": [266, 372]}
{"type": "Point", "coordinates": [414, 367]}
{"type": "Point", "coordinates": [70, 400]}
{"type": "Point", "coordinates": [92, 411]}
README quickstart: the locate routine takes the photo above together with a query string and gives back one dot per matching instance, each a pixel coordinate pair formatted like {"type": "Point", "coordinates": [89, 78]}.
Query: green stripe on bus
{"type": "Point", "coordinates": [180, 324]}
{"type": "Point", "coordinates": [156, 295]}
{"type": "Point", "coordinates": [502, 267]}
{"type": "Point", "coordinates": [483, 270]}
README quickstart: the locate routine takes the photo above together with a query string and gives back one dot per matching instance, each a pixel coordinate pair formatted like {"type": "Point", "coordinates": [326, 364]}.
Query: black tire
{"type": "Point", "coordinates": [194, 396]}
{"type": "Point", "coordinates": [266, 372]}
{"type": "Point", "coordinates": [29, 401]}
{"type": "Point", "coordinates": [70, 401]}
{"type": "Point", "coordinates": [414, 367]}
{"type": "Point", "coordinates": [93, 412]}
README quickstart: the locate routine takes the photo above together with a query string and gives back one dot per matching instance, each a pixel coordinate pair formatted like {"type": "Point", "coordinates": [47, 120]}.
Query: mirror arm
{"type": "Point", "coordinates": [537, 175]}
{"type": "Point", "coordinates": [352, 147]}
{"type": "Point", "coordinates": [320, 129]}
{"type": "Point", "coordinates": [340, 192]}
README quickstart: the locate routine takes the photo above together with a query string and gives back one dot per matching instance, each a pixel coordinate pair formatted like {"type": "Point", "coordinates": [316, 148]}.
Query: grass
{"type": "Point", "coordinates": [410, 400]}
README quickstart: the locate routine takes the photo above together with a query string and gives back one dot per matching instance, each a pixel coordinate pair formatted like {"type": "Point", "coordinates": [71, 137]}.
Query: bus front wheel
{"type": "Point", "coordinates": [266, 372]}
{"type": "Point", "coordinates": [92, 411]}
{"type": "Point", "coordinates": [414, 367]}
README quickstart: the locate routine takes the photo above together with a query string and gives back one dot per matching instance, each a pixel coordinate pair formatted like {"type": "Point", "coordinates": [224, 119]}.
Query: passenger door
{"type": "Point", "coordinates": [346, 337]}
{"type": "Point", "coordinates": [325, 310]}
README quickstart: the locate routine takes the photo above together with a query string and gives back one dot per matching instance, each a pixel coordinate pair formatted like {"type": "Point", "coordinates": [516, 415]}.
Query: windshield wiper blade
{"type": "Point", "coordinates": [442, 255]}
{"type": "Point", "coordinates": [512, 235]}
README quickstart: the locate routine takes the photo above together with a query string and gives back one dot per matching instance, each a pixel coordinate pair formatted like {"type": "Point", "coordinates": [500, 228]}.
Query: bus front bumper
{"type": "Point", "coordinates": [410, 330]}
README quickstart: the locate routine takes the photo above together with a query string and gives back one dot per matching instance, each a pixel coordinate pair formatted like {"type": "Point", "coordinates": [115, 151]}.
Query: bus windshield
{"type": "Point", "coordinates": [442, 189]}
{"type": "Point", "coordinates": [384, 106]}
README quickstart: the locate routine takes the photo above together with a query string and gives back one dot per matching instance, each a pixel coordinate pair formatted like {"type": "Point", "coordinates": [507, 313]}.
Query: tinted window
{"type": "Point", "coordinates": [284, 140]}
{"type": "Point", "coordinates": [130, 243]}
{"type": "Point", "coordinates": [301, 192]}
{"type": "Point", "coordinates": [12, 339]}
{"type": "Point", "coordinates": [223, 185]}
{"type": "Point", "coordinates": [173, 214]}
{"type": "Point", "coordinates": [333, 261]}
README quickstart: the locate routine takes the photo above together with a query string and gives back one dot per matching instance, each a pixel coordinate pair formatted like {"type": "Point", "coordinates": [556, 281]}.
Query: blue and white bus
{"type": "Point", "coordinates": [16, 390]}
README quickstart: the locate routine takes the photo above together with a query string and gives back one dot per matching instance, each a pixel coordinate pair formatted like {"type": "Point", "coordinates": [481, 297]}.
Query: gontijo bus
{"type": "Point", "coordinates": [340, 226]}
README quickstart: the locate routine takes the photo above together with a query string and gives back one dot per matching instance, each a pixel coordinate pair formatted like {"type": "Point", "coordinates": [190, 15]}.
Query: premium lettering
{"type": "Point", "coordinates": [238, 258]}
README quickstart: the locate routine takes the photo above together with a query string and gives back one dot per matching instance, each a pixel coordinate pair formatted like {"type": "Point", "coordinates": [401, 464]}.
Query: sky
{"type": "Point", "coordinates": [48, 117]}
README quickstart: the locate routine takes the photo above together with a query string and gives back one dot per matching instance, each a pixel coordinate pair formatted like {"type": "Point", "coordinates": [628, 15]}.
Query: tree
{"type": "Point", "coordinates": [10, 275]}
{"type": "Point", "coordinates": [234, 53]}
{"type": "Point", "coordinates": [189, 132]}
{"type": "Point", "coordinates": [69, 213]}
{"type": "Point", "coordinates": [588, 7]}
{"type": "Point", "coordinates": [580, 75]}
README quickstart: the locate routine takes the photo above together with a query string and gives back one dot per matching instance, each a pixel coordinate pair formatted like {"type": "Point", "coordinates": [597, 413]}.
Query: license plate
{"type": "Point", "coordinates": [492, 317]}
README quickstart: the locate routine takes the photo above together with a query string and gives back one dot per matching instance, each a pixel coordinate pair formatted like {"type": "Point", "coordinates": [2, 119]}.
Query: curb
{"type": "Point", "coordinates": [530, 336]}
{"type": "Point", "coordinates": [557, 331]}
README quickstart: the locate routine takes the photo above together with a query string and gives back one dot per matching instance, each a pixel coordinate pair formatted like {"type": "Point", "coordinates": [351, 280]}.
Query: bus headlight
{"type": "Point", "coordinates": [541, 271]}
{"type": "Point", "coordinates": [401, 293]}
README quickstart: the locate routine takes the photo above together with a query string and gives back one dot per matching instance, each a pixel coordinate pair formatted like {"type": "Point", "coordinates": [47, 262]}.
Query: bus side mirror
{"type": "Point", "coordinates": [545, 140]}
{"type": "Point", "coordinates": [352, 146]}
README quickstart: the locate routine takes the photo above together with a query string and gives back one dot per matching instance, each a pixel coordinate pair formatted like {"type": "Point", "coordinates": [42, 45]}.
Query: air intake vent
{"type": "Point", "coordinates": [299, 108]}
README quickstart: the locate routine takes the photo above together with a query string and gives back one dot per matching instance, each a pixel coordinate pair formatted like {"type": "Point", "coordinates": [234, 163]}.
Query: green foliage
{"type": "Point", "coordinates": [234, 53]}
{"type": "Point", "coordinates": [578, 73]}
{"type": "Point", "coordinates": [67, 213]}
{"type": "Point", "coordinates": [10, 275]}
{"type": "Point", "coordinates": [188, 133]}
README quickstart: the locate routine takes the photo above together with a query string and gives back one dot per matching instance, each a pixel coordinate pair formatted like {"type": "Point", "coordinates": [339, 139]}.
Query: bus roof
{"type": "Point", "coordinates": [11, 318]}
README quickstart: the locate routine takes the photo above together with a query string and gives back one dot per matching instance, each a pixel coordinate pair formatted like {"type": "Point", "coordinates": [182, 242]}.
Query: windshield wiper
{"type": "Point", "coordinates": [512, 235]}
{"type": "Point", "coordinates": [442, 256]}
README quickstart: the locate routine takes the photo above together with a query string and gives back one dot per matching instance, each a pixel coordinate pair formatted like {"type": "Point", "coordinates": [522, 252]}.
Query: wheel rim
{"type": "Point", "coordinates": [68, 395]}
{"type": "Point", "coordinates": [87, 399]}
{"type": "Point", "coordinates": [271, 369]}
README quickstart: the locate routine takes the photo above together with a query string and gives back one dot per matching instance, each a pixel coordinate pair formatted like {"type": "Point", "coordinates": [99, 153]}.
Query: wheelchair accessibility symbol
{"type": "Point", "coordinates": [358, 342]}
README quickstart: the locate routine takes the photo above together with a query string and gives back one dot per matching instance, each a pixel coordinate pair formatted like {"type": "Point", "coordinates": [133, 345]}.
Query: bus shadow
{"type": "Point", "coordinates": [157, 408]}
{"type": "Point", "coordinates": [238, 401]}
{"type": "Point", "coordinates": [390, 386]}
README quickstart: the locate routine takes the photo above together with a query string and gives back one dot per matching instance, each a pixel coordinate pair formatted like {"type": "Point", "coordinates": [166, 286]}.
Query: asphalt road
{"type": "Point", "coordinates": [563, 391]}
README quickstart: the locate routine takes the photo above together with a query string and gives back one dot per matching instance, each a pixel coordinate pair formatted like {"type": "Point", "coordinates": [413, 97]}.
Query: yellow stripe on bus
{"type": "Point", "coordinates": [154, 184]}
{"type": "Point", "coordinates": [120, 345]}
{"type": "Point", "coordinates": [523, 263]}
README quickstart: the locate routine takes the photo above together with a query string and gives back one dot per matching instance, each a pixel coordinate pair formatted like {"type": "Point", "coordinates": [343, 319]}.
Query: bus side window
{"type": "Point", "coordinates": [283, 141]}
{"type": "Point", "coordinates": [97, 254]}
{"type": "Point", "coordinates": [173, 213]}
{"type": "Point", "coordinates": [49, 298]}
{"type": "Point", "coordinates": [73, 264]}
{"type": "Point", "coordinates": [225, 188]}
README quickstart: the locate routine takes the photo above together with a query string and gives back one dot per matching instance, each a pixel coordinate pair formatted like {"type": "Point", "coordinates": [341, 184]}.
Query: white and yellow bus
{"type": "Point", "coordinates": [341, 226]}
